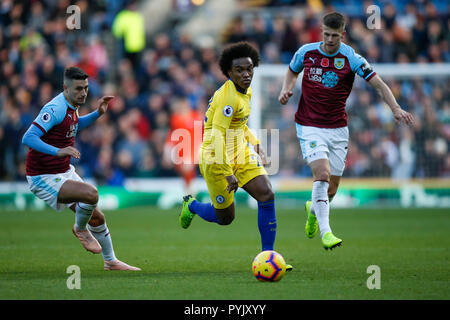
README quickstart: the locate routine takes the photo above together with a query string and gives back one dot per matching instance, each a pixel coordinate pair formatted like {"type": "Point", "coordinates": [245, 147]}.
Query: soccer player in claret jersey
{"type": "Point", "coordinates": [226, 162]}
{"type": "Point", "coordinates": [329, 69]}
{"type": "Point", "coordinates": [53, 179]}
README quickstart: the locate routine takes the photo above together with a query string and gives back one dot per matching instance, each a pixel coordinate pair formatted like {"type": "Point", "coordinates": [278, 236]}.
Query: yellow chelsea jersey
{"type": "Point", "coordinates": [225, 132]}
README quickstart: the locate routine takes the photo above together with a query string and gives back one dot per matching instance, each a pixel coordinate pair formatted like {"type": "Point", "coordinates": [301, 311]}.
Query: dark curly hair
{"type": "Point", "coordinates": [235, 51]}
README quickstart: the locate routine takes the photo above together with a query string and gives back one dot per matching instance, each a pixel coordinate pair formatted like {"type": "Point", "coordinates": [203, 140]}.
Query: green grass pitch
{"type": "Point", "coordinates": [208, 261]}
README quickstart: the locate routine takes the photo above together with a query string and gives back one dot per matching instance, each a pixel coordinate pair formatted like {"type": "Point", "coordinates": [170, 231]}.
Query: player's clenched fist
{"type": "Point", "coordinates": [68, 151]}
{"type": "Point", "coordinates": [284, 96]}
{"type": "Point", "coordinates": [233, 184]}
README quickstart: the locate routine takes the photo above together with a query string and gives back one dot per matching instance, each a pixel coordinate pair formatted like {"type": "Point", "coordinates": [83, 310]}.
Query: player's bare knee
{"type": "Point", "coordinates": [323, 175]}
{"type": "Point", "coordinates": [91, 195]}
{"type": "Point", "coordinates": [266, 195]}
{"type": "Point", "coordinates": [226, 220]}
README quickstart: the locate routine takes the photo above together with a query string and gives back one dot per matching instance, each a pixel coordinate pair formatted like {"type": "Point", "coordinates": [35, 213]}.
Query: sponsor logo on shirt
{"type": "Point", "coordinates": [330, 79]}
{"type": "Point", "coordinates": [315, 74]}
{"type": "Point", "coordinates": [72, 131]}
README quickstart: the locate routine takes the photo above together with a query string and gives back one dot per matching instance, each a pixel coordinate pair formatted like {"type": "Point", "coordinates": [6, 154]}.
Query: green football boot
{"type": "Point", "coordinates": [329, 241]}
{"type": "Point", "coordinates": [311, 226]}
{"type": "Point", "coordinates": [186, 214]}
{"type": "Point", "coordinates": [289, 267]}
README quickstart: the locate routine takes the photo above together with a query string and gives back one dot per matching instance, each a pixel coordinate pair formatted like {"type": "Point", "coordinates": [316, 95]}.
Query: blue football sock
{"type": "Point", "coordinates": [267, 224]}
{"type": "Point", "coordinates": [205, 211]}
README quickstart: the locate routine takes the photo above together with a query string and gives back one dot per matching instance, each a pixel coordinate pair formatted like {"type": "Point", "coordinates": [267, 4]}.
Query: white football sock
{"type": "Point", "coordinates": [101, 233]}
{"type": "Point", "coordinates": [311, 209]}
{"type": "Point", "coordinates": [83, 213]}
{"type": "Point", "coordinates": [321, 205]}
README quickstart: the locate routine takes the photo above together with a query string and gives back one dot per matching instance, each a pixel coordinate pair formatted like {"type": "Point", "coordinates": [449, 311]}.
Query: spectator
{"type": "Point", "coordinates": [105, 173]}
{"type": "Point", "coordinates": [129, 25]}
{"type": "Point", "coordinates": [183, 141]}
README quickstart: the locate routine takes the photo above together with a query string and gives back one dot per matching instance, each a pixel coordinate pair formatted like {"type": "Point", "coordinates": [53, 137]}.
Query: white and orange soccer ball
{"type": "Point", "coordinates": [269, 266]}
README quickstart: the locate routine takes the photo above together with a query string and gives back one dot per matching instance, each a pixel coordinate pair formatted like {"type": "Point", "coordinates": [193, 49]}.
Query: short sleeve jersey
{"type": "Point", "coordinates": [326, 84]}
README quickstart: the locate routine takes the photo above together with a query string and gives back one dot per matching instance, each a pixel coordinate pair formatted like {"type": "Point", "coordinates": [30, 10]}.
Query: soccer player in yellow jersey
{"type": "Point", "coordinates": [226, 161]}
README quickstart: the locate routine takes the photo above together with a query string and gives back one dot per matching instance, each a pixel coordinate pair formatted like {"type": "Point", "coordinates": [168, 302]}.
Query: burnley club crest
{"type": "Point", "coordinates": [339, 63]}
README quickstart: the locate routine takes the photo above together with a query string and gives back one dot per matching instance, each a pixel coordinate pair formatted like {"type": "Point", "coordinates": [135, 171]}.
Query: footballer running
{"type": "Point", "coordinates": [329, 69]}
{"type": "Point", "coordinates": [228, 163]}
{"type": "Point", "coordinates": [51, 177]}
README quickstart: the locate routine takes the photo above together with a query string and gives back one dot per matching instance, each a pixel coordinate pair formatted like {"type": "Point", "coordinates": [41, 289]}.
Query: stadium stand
{"type": "Point", "coordinates": [35, 47]}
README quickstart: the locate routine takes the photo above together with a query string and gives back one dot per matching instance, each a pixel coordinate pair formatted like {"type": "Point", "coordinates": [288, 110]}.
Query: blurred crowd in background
{"type": "Point", "coordinates": [156, 79]}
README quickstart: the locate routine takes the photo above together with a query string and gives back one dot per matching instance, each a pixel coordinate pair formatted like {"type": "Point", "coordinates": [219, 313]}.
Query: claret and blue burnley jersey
{"type": "Point", "coordinates": [327, 83]}
{"type": "Point", "coordinates": [58, 120]}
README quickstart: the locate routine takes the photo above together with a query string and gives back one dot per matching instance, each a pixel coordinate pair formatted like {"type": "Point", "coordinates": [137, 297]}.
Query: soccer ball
{"type": "Point", "coordinates": [269, 266]}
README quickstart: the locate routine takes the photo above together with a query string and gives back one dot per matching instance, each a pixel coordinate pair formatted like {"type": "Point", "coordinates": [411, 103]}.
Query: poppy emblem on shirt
{"type": "Point", "coordinates": [324, 62]}
{"type": "Point", "coordinates": [339, 63]}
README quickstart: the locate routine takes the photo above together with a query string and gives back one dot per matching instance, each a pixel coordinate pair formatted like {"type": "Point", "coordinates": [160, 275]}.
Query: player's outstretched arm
{"type": "Point", "coordinates": [288, 85]}
{"type": "Point", "coordinates": [400, 115]}
{"type": "Point", "coordinates": [90, 118]}
{"type": "Point", "coordinates": [87, 120]}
